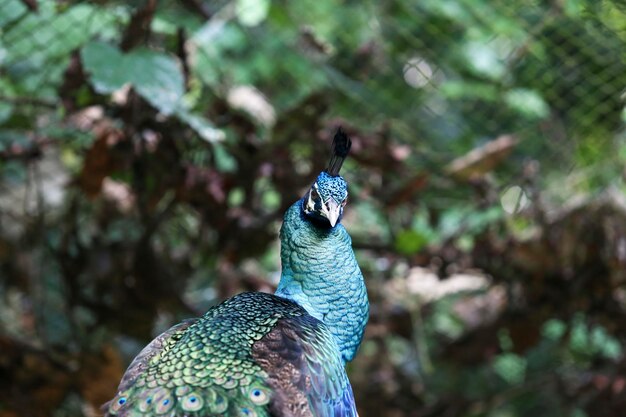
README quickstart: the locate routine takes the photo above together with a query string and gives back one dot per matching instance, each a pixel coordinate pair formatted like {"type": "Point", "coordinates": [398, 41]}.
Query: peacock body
{"type": "Point", "coordinates": [260, 354]}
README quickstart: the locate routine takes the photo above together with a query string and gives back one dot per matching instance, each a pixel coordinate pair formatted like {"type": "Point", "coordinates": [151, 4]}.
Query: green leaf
{"type": "Point", "coordinates": [13, 173]}
{"type": "Point", "coordinates": [3, 53]}
{"type": "Point", "coordinates": [527, 102]}
{"type": "Point", "coordinates": [10, 11]}
{"type": "Point", "coordinates": [579, 336]}
{"type": "Point", "coordinates": [224, 161]}
{"type": "Point", "coordinates": [410, 242]}
{"type": "Point", "coordinates": [270, 199]}
{"type": "Point", "coordinates": [554, 329]}
{"type": "Point", "coordinates": [605, 344]}
{"type": "Point", "coordinates": [156, 76]}
{"type": "Point", "coordinates": [104, 62]}
{"type": "Point", "coordinates": [574, 8]}
{"type": "Point", "coordinates": [236, 197]}
{"type": "Point", "coordinates": [511, 368]}
{"type": "Point", "coordinates": [202, 126]}
{"type": "Point", "coordinates": [461, 89]}
{"type": "Point", "coordinates": [483, 59]}
{"type": "Point", "coordinates": [577, 412]}
{"type": "Point", "coordinates": [6, 109]}
{"type": "Point", "coordinates": [445, 321]}
{"type": "Point", "coordinates": [452, 10]}
{"type": "Point", "coordinates": [252, 12]}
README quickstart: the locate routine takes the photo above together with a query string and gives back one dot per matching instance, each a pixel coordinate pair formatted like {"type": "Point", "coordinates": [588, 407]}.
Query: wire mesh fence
{"type": "Point", "coordinates": [446, 69]}
{"type": "Point", "coordinates": [149, 148]}
{"type": "Point", "coordinates": [457, 71]}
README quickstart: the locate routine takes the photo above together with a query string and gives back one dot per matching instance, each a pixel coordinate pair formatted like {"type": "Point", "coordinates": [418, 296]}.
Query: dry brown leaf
{"type": "Point", "coordinates": [481, 160]}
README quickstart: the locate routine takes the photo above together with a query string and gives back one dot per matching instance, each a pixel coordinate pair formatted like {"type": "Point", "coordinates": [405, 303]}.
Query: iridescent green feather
{"type": "Point", "coordinates": [253, 355]}
{"type": "Point", "coordinates": [205, 367]}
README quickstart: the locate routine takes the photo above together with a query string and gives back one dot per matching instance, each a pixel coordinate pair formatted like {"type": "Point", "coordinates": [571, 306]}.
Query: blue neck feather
{"type": "Point", "coordinates": [320, 272]}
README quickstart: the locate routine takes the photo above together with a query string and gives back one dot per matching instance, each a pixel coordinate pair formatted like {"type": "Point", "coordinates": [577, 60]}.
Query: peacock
{"type": "Point", "coordinates": [259, 354]}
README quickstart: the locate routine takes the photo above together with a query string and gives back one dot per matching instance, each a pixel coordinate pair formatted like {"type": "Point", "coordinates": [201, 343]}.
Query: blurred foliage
{"type": "Point", "coordinates": [149, 148]}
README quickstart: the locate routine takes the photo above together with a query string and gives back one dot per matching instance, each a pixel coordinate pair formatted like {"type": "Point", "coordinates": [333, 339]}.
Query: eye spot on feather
{"type": "Point", "coordinates": [258, 396]}
{"type": "Point", "coordinates": [118, 404]}
{"type": "Point", "coordinates": [246, 412]}
{"type": "Point", "coordinates": [163, 401]}
{"type": "Point", "coordinates": [164, 406]}
{"type": "Point", "coordinates": [145, 404]}
{"type": "Point", "coordinates": [192, 402]}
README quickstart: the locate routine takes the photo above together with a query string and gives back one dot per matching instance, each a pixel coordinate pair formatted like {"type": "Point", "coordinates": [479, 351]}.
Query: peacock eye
{"type": "Point", "coordinates": [314, 194]}
{"type": "Point", "coordinates": [344, 202]}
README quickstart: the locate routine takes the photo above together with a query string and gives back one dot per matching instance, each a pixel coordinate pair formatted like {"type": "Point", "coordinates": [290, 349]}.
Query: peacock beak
{"type": "Point", "coordinates": [332, 212]}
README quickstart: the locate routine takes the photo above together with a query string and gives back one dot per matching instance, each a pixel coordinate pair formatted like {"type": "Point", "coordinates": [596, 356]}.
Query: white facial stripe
{"type": "Point", "coordinates": [324, 208]}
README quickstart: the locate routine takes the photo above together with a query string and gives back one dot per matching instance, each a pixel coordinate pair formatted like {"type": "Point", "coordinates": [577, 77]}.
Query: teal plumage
{"type": "Point", "coordinates": [260, 354]}
{"type": "Point", "coordinates": [337, 297]}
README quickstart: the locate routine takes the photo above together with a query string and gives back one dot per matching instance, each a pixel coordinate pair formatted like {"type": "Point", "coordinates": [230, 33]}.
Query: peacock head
{"type": "Point", "coordinates": [328, 195]}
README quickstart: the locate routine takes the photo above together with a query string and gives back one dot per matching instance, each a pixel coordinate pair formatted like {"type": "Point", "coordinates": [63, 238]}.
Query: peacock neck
{"type": "Point", "coordinates": [320, 272]}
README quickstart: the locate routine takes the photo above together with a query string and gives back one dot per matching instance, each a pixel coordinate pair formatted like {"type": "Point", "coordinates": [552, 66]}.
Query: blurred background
{"type": "Point", "coordinates": [148, 150]}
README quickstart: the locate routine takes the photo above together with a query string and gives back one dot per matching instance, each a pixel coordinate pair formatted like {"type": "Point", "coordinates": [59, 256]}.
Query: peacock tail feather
{"type": "Point", "coordinates": [255, 354]}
